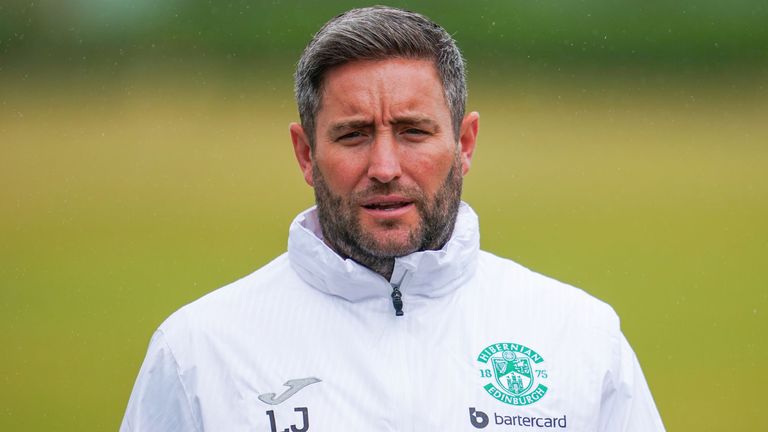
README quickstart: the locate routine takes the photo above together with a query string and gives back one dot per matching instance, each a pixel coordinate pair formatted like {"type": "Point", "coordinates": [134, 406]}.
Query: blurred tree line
{"type": "Point", "coordinates": [703, 35]}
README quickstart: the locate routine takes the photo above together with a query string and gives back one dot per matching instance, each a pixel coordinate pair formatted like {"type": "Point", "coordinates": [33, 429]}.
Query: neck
{"type": "Point", "coordinates": [381, 265]}
{"type": "Point", "coordinates": [348, 247]}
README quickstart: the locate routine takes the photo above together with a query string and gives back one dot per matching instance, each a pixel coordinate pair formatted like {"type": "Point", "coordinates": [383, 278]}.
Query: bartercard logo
{"type": "Point", "coordinates": [480, 420]}
{"type": "Point", "coordinates": [516, 374]}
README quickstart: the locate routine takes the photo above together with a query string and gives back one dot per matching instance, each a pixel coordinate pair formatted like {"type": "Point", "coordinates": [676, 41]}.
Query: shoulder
{"type": "Point", "coordinates": [515, 283]}
{"type": "Point", "coordinates": [229, 304]}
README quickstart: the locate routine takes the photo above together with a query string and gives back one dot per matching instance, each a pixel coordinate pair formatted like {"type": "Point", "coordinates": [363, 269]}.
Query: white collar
{"type": "Point", "coordinates": [426, 273]}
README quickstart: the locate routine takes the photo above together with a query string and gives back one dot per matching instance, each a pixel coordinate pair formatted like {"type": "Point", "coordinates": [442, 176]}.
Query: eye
{"type": "Point", "coordinates": [414, 134]}
{"type": "Point", "coordinates": [350, 136]}
{"type": "Point", "coordinates": [414, 131]}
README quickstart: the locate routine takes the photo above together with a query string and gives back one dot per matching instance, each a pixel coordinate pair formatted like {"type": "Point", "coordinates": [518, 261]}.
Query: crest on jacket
{"type": "Point", "coordinates": [515, 373]}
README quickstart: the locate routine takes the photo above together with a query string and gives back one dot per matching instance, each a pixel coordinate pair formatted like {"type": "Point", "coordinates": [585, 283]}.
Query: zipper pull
{"type": "Point", "coordinates": [397, 300]}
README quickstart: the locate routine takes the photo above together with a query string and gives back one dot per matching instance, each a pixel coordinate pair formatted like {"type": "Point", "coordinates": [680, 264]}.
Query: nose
{"type": "Point", "coordinates": [384, 159]}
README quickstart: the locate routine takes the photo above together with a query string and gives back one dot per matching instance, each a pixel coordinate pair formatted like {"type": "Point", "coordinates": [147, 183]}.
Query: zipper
{"type": "Point", "coordinates": [397, 296]}
{"type": "Point", "coordinates": [397, 300]}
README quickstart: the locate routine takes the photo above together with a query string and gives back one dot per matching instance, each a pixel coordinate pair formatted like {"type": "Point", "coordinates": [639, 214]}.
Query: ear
{"type": "Point", "coordinates": [303, 151]}
{"type": "Point", "coordinates": [468, 139]}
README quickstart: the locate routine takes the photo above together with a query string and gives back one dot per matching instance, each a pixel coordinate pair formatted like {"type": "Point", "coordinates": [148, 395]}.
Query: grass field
{"type": "Point", "coordinates": [124, 198]}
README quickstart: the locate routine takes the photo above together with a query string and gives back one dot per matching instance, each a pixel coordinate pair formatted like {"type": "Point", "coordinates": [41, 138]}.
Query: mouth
{"type": "Point", "coordinates": [387, 205]}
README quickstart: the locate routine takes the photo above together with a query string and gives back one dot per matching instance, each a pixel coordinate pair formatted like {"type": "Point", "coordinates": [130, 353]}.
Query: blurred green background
{"type": "Point", "coordinates": [145, 161]}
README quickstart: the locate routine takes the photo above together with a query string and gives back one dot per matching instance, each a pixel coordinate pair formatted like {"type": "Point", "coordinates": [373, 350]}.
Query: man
{"type": "Point", "coordinates": [384, 315]}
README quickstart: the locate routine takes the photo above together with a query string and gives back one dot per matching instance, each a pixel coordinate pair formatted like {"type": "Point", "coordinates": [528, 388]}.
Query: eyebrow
{"type": "Point", "coordinates": [349, 124]}
{"type": "Point", "coordinates": [416, 120]}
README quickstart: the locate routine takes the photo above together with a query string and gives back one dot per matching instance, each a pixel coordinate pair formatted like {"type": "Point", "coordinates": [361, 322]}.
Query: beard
{"type": "Point", "coordinates": [344, 233]}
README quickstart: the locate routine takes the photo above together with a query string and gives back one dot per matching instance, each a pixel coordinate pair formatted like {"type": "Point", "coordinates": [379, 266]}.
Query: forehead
{"type": "Point", "coordinates": [385, 85]}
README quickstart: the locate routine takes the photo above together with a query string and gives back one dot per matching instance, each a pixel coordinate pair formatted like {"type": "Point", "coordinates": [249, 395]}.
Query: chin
{"type": "Point", "coordinates": [394, 244]}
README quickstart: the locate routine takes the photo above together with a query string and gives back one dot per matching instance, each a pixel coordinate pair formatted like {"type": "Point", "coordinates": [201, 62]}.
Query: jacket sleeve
{"type": "Point", "coordinates": [159, 401]}
{"type": "Point", "coordinates": [627, 404]}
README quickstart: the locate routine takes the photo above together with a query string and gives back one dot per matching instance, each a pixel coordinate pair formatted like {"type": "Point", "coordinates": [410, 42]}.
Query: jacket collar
{"type": "Point", "coordinates": [426, 273]}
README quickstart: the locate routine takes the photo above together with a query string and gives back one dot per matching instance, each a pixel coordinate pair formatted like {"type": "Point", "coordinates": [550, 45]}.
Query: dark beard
{"type": "Point", "coordinates": [344, 234]}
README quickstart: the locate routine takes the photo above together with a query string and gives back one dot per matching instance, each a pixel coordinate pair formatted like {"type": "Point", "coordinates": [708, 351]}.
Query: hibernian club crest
{"type": "Point", "coordinates": [516, 373]}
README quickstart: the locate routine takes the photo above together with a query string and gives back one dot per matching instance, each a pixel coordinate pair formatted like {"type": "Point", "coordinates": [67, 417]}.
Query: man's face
{"type": "Point", "coordinates": [386, 167]}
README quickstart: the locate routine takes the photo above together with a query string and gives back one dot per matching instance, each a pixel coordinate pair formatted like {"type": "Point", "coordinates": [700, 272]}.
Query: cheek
{"type": "Point", "coordinates": [430, 170]}
{"type": "Point", "coordinates": [341, 172]}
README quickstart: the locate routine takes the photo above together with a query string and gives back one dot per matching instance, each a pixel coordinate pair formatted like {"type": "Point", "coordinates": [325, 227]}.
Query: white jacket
{"type": "Point", "coordinates": [311, 342]}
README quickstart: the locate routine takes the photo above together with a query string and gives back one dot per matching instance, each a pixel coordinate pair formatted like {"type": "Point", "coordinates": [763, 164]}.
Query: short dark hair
{"type": "Point", "coordinates": [375, 33]}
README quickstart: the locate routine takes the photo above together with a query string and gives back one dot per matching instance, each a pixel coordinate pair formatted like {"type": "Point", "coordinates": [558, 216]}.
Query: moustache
{"type": "Point", "coordinates": [392, 188]}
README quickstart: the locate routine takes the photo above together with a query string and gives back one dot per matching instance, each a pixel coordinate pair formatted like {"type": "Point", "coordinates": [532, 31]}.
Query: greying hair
{"type": "Point", "coordinates": [376, 33]}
